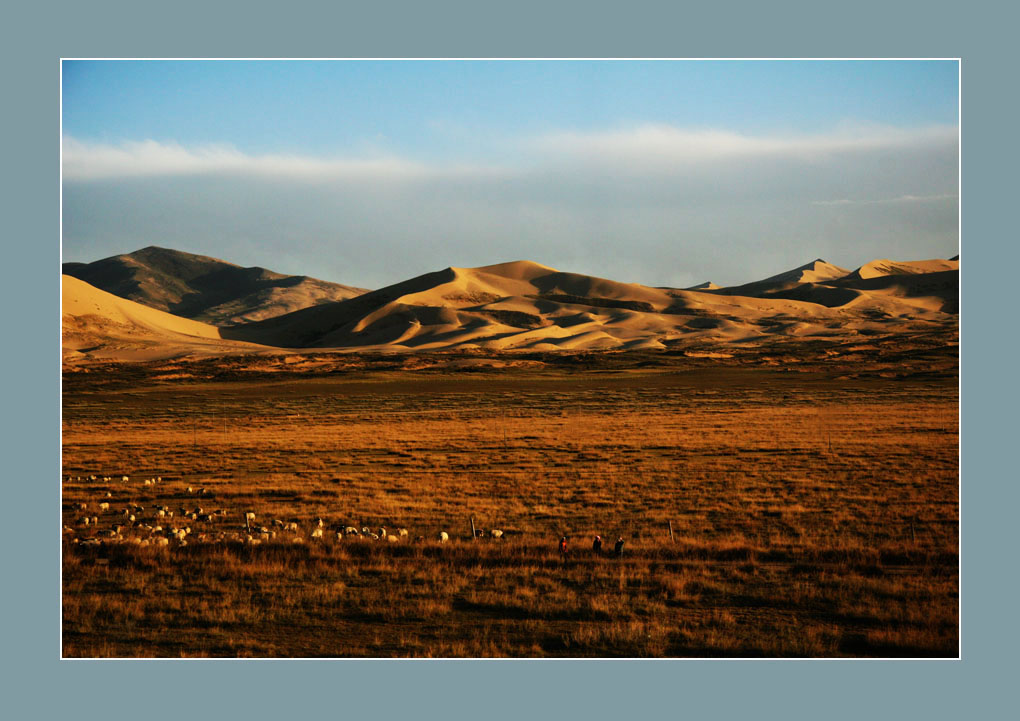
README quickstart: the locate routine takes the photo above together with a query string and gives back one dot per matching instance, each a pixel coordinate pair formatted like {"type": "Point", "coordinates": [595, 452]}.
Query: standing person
{"type": "Point", "coordinates": [563, 547]}
{"type": "Point", "coordinates": [596, 545]}
{"type": "Point", "coordinates": [618, 548]}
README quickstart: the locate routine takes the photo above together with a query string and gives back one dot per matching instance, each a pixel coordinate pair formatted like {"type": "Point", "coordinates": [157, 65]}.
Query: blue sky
{"type": "Point", "coordinates": [366, 172]}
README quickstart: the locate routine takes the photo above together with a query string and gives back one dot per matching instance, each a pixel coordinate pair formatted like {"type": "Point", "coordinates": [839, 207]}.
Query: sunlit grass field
{"type": "Point", "coordinates": [763, 514]}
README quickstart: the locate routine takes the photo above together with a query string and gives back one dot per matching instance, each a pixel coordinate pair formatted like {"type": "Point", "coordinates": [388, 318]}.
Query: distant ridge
{"type": "Point", "coordinates": [204, 288]}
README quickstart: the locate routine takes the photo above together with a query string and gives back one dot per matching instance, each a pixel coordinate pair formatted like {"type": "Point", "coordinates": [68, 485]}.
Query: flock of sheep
{"type": "Point", "coordinates": [101, 522]}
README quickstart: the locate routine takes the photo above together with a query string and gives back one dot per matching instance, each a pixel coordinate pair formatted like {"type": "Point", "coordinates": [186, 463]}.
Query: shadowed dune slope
{"type": "Point", "coordinates": [203, 288]}
{"type": "Point", "coordinates": [527, 306]}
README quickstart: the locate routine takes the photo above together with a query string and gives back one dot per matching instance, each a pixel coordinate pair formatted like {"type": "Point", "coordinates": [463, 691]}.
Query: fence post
{"type": "Point", "coordinates": [472, 528]}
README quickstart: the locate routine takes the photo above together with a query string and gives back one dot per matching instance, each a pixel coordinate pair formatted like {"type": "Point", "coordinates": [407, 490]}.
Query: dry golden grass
{"type": "Point", "coordinates": [810, 516]}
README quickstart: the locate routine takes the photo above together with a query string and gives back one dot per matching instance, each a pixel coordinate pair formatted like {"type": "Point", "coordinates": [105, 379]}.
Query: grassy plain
{"type": "Point", "coordinates": [813, 513]}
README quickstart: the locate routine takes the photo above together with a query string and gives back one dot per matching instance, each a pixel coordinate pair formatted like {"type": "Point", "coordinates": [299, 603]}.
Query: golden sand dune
{"type": "Point", "coordinates": [523, 305]}
{"type": "Point", "coordinates": [882, 267]}
{"type": "Point", "coordinates": [102, 325]}
{"type": "Point", "coordinates": [526, 306]}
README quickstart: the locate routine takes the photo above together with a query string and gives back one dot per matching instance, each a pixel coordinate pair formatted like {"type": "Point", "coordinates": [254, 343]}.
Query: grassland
{"type": "Point", "coordinates": [812, 513]}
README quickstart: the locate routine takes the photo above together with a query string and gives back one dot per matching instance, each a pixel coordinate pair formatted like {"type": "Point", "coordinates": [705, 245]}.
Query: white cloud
{"type": "Point", "coordinates": [149, 158]}
{"type": "Point", "coordinates": [659, 145]}
{"type": "Point", "coordinates": [660, 205]}
{"type": "Point", "coordinates": [886, 201]}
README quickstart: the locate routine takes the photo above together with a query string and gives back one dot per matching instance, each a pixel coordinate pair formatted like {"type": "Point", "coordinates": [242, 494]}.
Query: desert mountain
{"type": "Point", "coordinates": [101, 325]}
{"type": "Point", "coordinates": [205, 289]}
{"type": "Point", "coordinates": [527, 306]}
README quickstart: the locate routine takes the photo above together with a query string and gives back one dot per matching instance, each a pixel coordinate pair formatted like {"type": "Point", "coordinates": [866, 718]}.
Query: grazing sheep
{"type": "Point", "coordinates": [190, 490]}
{"type": "Point", "coordinates": [249, 518]}
{"type": "Point", "coordinates": [351, 531]}
{"type": "Point", "coordinates": [365, 530]}
{"type": "Point", "coordinates": [291, 527]}
{"type": "Point", "coordinates": [318, 522]}
{"type": "Point", "coordinates": [95, 520]}
{"type": "Point", "coordinates": [147, 482]}
{"type": "Point", "coordinates": [402, 532]}
{"type": "Point", "coordinates": [124, 479]}
{"type": "Point", "coordinates": [161, 541]}
{"type": "Point", "coordinates": [317, 533]}
{"type": "Point", "coordinates": [83, 506]}
{"type": "Point", "coordinates": [496, 533]}
{"type": "Point", "coordinates": [444, 536]}
{"type": "Point", "coordinates": [297, 539]}
{"type": "Point", "coordinates": [373, 536]}
{"type": "Point", "coordinates": [278, 523]}
{"type": "Point", "coordinates": [339, 535]}
{"type": "Point", "coordinates": [392, 539]}
{"type": "Point", "coordinates": [160, 514]}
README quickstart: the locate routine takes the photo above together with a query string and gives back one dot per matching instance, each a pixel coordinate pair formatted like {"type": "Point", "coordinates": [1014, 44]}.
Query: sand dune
{"type": "Point", "coordinates": [204, 288]}
{"type": "Point", "coordinates": [100, 325]}
{"type": "Point", "coordinates": [817, 271]}
{"type": "Point", "coordinates": [528, 306]}
{"type": "Point", "coordinates": [882, 267]}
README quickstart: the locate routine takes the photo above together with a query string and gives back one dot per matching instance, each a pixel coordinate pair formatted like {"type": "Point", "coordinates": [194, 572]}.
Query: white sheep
{"type": "Point", "coordinates": [317, 533]}
{"type": "Point", "coordinates": [444, 536]}
{"type": "Point", "coordinates": [124, 479]}
{"type": "Point", "coordinates": [392, 539]}
{"type": "Point", "coordinates": [292, 526]}
{"type": "Point", "coordinates": [351, 531]}
{"type": "Point", "coordinates": [402, 532]}
{"type": "Point", "coordinates": [496, 533]}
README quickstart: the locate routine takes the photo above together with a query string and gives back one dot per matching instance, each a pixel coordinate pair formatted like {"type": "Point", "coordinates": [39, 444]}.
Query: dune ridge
{"type": "Point", "coordinates": [526, 306]}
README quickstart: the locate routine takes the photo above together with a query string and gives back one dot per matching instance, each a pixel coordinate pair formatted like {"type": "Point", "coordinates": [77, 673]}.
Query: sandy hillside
{"type": "Point", "coordinates": [524, 305]}
{"type": "Point", "coordinates": [883, 267]}
{"type": "Point", "coordinates": [204, 288]}
{"type": "Point", "coordinates": [99, 325]}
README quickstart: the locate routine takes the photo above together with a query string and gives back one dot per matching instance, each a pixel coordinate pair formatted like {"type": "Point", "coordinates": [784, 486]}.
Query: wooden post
{"type": "Point", "coordinates": [672, 540]}
{"type": "Point", "coordinates": [472, 528]}
{"type": "Point", "coordinates": [913, 537]}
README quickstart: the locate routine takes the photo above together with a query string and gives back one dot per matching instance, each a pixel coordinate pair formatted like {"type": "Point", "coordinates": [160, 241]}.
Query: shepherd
{"type": "Point", "coordinates": [618, 548]}
{"type": "Point", "coordinates": [596, 545]}
{"type": "Point", "coordinates": [563, 547]}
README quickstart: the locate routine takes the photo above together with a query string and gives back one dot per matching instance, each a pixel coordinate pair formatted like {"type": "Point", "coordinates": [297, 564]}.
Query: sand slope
{"type": "Point", "coordinates": [203, 288]}
{"type": "Point", "coordinates": [524, 305]}
{"type": "Point", "coordinates": [99, 325]}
